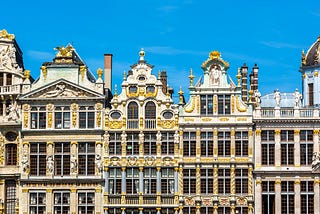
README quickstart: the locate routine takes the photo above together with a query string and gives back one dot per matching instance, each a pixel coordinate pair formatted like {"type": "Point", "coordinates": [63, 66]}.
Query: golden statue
{"type": "Point", "coordinates": [4, 34]}
{"type": "Point", "coordinates": [64, 51]}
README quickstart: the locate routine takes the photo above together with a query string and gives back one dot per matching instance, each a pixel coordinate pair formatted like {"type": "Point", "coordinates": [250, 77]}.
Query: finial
{"type": "Point", "coordinates": [27, 74]}
{"type": "Point", "coordinates": [159, 75]}
{"type": "Point", "coordinates": [180, 95]}
{"type": "Point", "coordinates": [168, 94]}
{"type": "Point", "coordinates": [303, 58]}
{"type": "Point", "coordinates": [124, 75]}
{"type": "Point", "coordinates": [99, 72]}
{"type": "Point", "coordinates": [191, 77]}
{"type": "Point", "coordinates": [5, 35]}
{"type": "Point", "coordinates": [239, 76]}
{"type": "Point", "coordinates": [115, 90]}
{"type": "Point", "coordinates": [64, 51]}
{"type": "Point", "coordinates": [142, 54]}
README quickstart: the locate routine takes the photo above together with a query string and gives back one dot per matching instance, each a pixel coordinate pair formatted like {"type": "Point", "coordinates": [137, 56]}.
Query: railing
{"type": "Point", "coordinates": [150, 123]}
{"type": "Point", "coordinates": [133, 123]}
{"type": "Point", "coordinates": [149, 199]}
{"type": "Point", "coordinates": [10, 89]}
{"type": "Point", "coordinates": [115, 199]}
{"type": "Point", "coordinates": [166, 199]}
{"type": "Point", "coordinates": [306, 113]}
{"type": "Point", "coordinates": [267, 112]}
{"type": "Point", "coordinates": [132, 199]}
{"type": "Point", "coordinates": [286, 112]}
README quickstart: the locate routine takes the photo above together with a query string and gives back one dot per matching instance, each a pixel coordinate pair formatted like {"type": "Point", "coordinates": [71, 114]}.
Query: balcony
{"type": "Point", "coordinates": [133, 124]}
{"type": "Point", "coordinates": [150, 123]}
{"type": "Point", "coordinates": [10, 89]}
{"type": "Point", "coordinates": [294, 113]}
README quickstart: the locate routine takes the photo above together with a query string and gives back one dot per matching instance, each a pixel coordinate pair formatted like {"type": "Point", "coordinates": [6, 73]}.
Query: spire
{"type": "Point", "coordinates": [191, 77]}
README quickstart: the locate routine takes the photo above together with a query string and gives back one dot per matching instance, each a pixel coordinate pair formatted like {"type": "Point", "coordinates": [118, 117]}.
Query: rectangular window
{"type": "Point", "coordinates": [206, 144]}
{"type": "Point", "coordinates": [206, 210]}
{"type": "Point", "coordinates": [86, 117]}
{"type": "Point", "coordinates": [310, 90]}
{"type": "Point", "coordinates": [287, 197]}
{"type": "Point", "coordinates": [167, 143]}
{"type": "Point", "coordinates": [287, 135]}
{"type": "Point", "coordinates": [306, 147]}
{"type": "Point", "coordinates": [167, 181]}
{"type": "Point", "coordinates": [206, 181]}
{"type": "Point", "coordinates": [86, 202]}
{"type": "Point", "coordinates": [61, 203]}
{"type": "Point", "coordinates": [11, 154]}
{"type": "Point", "coordinates": [115, 211]}
{"type": "Point", "coordinates": [132, 144]}
{"type": "Point", "coordinates": [206, 104]}
{"type": "Point", "coordinates": [224, 181]}
{"type": "Point", "coordinates": [38, 155]}
{"type": "Point", "coordinates": [132, 181]}
{"type": "Point", "coordinates": [241, 210]}
{"type": "Point", "coordinates": [224, 144]}
{"type": "Point", "coordinates": [223, 104]}
{"type": "Point", "coordinates": [115, 145]}
{"type": "Point", "coordinates": [150, 181]}
{"type": "Point", "coordinates": [267, 135]}
{"type": "Point", "coordinates": [62, 158]}
{"type": "Point", "coordinates": [115, 177]}
{"type": "Point", "coordinates": [224, 210]}
{"type": "Point", "coordinates": [10, 196]}
{"type": "Point", "coordinates": [189, 181]}
{"type": "Point", "coordinates": [189, 144]}
{"type": "Point", "coordinates": [86, 156]}
{"type": "Point", "coordinates": [62, 119]}
{"type": "Point", "coordinates": [241, 180]}
{"type": "Point", "coordinates": [267, 153]}
{"type": "Point", "coordinates": [241, 143]}
{"type": "Point", "coordinates": [189, 210]}
{"type": "Point", "coordinates": [268, 196]}
{"type": "Point", "coordinates": [38, 118]}
{"type": "Point", "coordinates": [150, 144]}
{"type": "Point", "coordinates": [307, 197]}
{"type": "Point", "coordinates": [37, 203]}
{"type": "Point", "coordinates": [287, 153]}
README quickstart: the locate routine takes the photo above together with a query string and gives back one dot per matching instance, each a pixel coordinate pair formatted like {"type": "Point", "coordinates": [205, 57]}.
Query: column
{"type": "Point", "coordinates": [98, 200]}
{"type": "Point", "coordinates": [233, 143]}
{"type": "Point", "coordinates": [158, 143]}
{"type": "Point", "coordinates": [297, 148]}
{"type": "Point", "coordinates": [23, 200]}
{"type": "Point", "coordinates": [258, 196]}
{"type": "Point", "coordinates": [277, 188]}
{"type": "Point", "coordinates": [257, 150]}
{"type": "Point", "coordinates": [198, 144]}
{"type": "Point", "coordinates": [316, 140]}
{"type": "Point", "coordinates": [277, 148]}
{"type": "Point", "coordinates": [233, 181]}
{"type": "Point", "coordinates": [106, 186]}
{"type": "Point", "coordinates": [73, 200]}
{"type": "Point", "coordinates": [250, 144]}
{"type": "Point", "coordinates": [124, 144]}
{"type": "Point", "coordinates": [158, 186]}
{"type": "Point", "coordinates": [141, 185]}
{"type": "Point", "coordinates": [215, 144]}
{"type": "Point", "coordinates": [176, 177]}
{"type": "Point", "coordinates": [198, 181]}
{"type": "Point", "coordinates": [74, 159]}
{"type": "Point", "coordinates": [215, 180]}
{"type": "Point", "coordinates": [49, 201]}
{"type": "Point", "coordinates": [316, 189]}
{"type": "Point", "coordinates": [181, 180]}
{"type": "Point", "coordinates": [50, 159]}
{"type": "Point", "coordinates": [297, 194]}
{"type": "Point", "coordinates": [123, 185]}
{"type": "Point", "coordinates": [141, 141]}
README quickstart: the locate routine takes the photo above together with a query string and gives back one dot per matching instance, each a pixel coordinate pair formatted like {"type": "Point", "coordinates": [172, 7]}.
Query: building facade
{"type": "Point", "coordinates": [68, 146]}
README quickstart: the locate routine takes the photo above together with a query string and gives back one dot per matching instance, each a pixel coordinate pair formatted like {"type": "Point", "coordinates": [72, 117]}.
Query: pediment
{"type": "Point", "coordinates": [61, 89]}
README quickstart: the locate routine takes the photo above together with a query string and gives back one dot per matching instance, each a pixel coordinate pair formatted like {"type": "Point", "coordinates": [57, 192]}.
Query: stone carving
{"type": "Point", "coordinates": [99, 163]}
{"type": "Point", "coordinates": [62, 91]}
{"type": "Point", "coordinates": [7, 58]}
{"type": "Point", "coordinates": [257, 96]}
{"type": "Point", "coordinates": [12, 113]}
{"type": "Point", "coordinates": [297, 98]}
{"type": "Point", "coordinates": [315, 160]}
{"type": "Point", "coordinates": [50, 164]}
{"type": "Point", "coordinates": [189, 201]}
{"type": "Point", "coordinates": [25, 163]}
{"type": "Point", "coordinates": [74, 163]}
{"type": "Point", "coordinates": [277, 97]}
{"type": "Point", "coordinates": [215, 75]}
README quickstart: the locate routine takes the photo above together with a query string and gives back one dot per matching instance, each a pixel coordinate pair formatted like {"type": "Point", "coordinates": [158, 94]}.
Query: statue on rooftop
{"type": "Point", "coordinates": [297, 98]}
{"type": "Point", "coordinates": [277, 97]}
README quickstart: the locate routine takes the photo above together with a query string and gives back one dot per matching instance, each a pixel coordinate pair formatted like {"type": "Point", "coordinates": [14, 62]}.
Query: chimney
{"type": "Point", "coordinates": [244, 76]}
{"type": "Point", "coordinates": [255, 70]}
{"type": "Point", "coordinates": [163, 79]}
{"type": "Point", "coordinates": [107, 71]}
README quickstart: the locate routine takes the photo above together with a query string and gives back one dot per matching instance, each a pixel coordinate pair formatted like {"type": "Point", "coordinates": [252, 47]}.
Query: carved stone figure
{"type": "Point", "coordinates": [98, 163]}
{"type": "Point", "coordinates": [5, 59]}
{"type": "Point", "coordinates": [315, 158]}
{"type": "Point", "coordinates": [297, 98]}
{"type": "Point", "coordinates": [13, 114]}
{"type": "Point", "coordinates": [74, 164]}
{"type": "Point", "coordinates": [257, 96]}
{"type": "Point", "coordinates": [25, 163]}
{"type": "Point", "coordinates": [277, 97]}
{"type": "Point", "coordinates": [215, 75]}
{"type": "Point", "coordinates": [50, 164]}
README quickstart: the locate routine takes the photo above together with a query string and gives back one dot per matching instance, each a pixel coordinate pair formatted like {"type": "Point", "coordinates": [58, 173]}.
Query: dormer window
{"type": "Point", "coordinates": [150, 89]}
{"type": "Point", "coordinates": [224, 104]}
{"type": "Point", "coordinates": [141, 78]}
{"type": "Point", "coordinates": [115, 115]}
{"type": "Point", "coordinates": [133, 89]}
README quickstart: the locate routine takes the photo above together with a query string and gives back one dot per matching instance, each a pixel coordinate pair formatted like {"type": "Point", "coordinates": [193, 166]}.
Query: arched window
{"type": "Point", "coordinates": [150, 115]}
{"type": "Point", "coordinates": [133, 111]}
{"type": "Point", "coordinates": [133, 116]}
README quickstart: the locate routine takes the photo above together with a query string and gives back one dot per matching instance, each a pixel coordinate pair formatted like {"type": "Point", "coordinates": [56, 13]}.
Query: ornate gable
{"type": "Point", "coordinates": [61, 89]}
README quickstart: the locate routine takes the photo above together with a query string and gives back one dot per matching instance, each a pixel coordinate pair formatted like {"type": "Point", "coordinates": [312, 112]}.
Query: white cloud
{"type": "Point", "coordinates": [274, 44]}
{"type": "Point", "coordinates": [40, 55]}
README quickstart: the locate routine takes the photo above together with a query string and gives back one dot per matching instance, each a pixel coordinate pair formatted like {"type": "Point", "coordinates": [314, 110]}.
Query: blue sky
{"type": "Point", "coordinates": [176, 34]}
